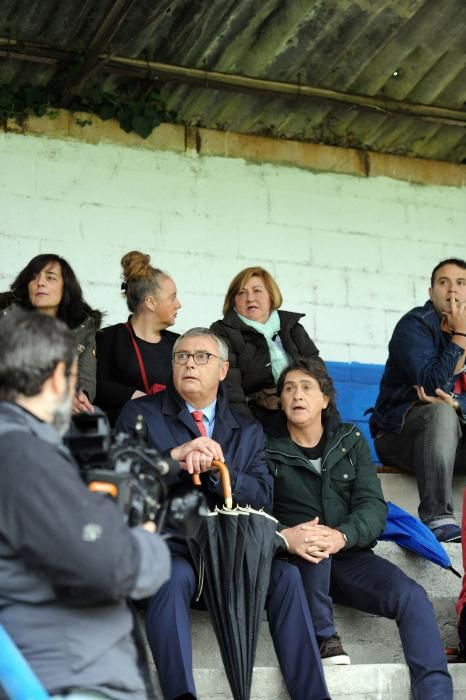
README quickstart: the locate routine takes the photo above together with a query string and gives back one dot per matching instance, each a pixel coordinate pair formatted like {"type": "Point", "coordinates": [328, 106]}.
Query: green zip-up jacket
{"type": "Point", "coordinates": [347, 495]}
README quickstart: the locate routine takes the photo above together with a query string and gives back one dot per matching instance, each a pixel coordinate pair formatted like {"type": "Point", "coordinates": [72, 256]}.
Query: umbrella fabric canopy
{"type": "Point", "coordinates": [234, 551]}
{"type": "Point", "coordinates": [409, 532]}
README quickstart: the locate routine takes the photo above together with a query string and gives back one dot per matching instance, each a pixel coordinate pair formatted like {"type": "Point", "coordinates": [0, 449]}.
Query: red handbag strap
{"type": "Point", "coordinates": [139, 356]}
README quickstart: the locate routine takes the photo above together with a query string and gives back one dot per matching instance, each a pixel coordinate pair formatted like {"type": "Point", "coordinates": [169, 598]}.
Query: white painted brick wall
{"type": "Point", "coordinates": [352, 254]}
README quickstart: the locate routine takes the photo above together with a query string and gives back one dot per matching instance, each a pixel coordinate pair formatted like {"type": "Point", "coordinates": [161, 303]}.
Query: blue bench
{"type": "Point", "coordinates": [357, 386]}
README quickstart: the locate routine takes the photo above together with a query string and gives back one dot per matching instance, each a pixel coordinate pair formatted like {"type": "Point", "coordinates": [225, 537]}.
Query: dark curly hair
{"type": "Point", "coordinates": [73, 310]}
{"type": "Point", "coordinates": [315, 367]}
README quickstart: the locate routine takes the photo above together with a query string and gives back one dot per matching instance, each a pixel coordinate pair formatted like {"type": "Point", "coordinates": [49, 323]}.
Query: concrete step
{"type": "Point", "coordinates": [368, 682]}
{"type": "Point", "coordinates": [378, 671]}
{"type": "Point", "coordinates": [402, 490]}
{"type": "Point", "coordinates": [366, 638]}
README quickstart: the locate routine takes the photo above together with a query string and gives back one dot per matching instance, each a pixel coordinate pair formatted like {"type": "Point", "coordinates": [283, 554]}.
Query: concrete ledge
{"type": "Point", "coordinates": [370, 682]}
{"type": "Point", "coordinates": [193, 141]}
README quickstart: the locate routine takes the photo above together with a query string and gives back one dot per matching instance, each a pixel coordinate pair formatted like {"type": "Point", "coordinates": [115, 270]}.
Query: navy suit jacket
{"type": "Point", "coordinates": [169, 424]}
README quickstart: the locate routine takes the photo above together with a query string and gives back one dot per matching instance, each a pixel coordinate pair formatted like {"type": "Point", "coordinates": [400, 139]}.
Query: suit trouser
{"type": "Point", "coordinates": [169, 632]}
{"type": "Point", "coordinates": [364, 581]}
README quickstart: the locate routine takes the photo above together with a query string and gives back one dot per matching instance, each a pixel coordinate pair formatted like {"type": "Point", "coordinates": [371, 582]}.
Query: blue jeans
{"type": "Point", "coordinates": [430, 445]}
{"type": "Point", "coordinates": [369, 583]}
{"type": "Point", "coordinates": [169, 632]}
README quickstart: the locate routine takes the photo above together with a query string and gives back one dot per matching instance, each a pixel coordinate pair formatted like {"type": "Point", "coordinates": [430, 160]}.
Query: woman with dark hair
{"type": "Point", "coordinates": [48, 284]}
{"type": "Point", "coordinates": [134, 358]}
{"type": "Point", "coordinates": [261, 339]}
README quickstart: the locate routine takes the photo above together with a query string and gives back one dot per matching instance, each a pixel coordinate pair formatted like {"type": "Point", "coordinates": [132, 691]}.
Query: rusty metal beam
{"type": "Point", "coordinates": [137, 68]}
{"type": "Point", "coordinates": [242, 83]}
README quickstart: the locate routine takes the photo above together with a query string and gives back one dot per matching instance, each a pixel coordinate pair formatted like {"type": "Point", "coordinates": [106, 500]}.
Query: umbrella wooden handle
{"type": "Point", "coordinates": [226, 481]}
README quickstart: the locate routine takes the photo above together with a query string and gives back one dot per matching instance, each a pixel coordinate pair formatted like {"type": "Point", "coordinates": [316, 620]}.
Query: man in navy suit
{"type": "Point", "coordinates": [215, 431]}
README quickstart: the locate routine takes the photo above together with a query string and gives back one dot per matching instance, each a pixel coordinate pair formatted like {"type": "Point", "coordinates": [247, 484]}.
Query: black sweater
{"type": "Point", "coordinates": [118, 373]}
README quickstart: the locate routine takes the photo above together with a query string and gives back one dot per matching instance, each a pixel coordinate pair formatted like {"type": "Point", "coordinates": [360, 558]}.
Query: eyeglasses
{"type": "Point", "coordinates": [200, 358]}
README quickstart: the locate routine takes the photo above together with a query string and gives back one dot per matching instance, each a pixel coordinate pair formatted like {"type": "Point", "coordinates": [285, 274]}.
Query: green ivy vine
{"type": "Point", "coordinates": [19, 103]}
{"type": "Point", "coordinates": [135, 108]}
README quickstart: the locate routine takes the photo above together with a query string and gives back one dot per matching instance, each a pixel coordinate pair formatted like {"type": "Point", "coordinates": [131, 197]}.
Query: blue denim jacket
{"type": "Point", "coordinates": [419, 353]}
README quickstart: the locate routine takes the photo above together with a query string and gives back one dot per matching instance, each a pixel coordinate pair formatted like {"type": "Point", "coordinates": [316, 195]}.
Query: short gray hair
{"type": "Point", "coordinates": [205, 332]}
{"type": "Point", "coordinates": [32, 346]}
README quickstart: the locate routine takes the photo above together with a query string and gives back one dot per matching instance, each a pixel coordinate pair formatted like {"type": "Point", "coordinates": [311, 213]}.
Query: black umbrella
{"type": "Point", "coordinates": [233, 552]}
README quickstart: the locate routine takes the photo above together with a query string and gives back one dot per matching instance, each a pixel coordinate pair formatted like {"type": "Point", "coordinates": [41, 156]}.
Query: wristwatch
{"type": "Point", "coordinates": [345, 539]}
{"type": "Point", "coordinates": [456, 405]}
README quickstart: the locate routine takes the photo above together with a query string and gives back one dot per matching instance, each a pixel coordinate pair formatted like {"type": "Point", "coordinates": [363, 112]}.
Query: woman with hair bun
{"type": "Point", "coordinates": [48, 284]}
{"type": "Point", "coordinates": [134, 358]}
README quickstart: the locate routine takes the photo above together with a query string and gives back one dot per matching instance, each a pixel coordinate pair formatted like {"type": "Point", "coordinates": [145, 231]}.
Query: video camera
{"type": "Point", "coordinates": [145, 485]}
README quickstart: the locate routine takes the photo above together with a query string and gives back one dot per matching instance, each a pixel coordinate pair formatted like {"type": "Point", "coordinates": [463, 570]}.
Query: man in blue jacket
{"type": "Point", "coordinates": [418, 420]}
{"type": "Point", "coordinates": [192, 422]}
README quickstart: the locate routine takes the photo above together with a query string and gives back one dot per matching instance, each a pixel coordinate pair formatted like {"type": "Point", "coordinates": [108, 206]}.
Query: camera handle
{"type": "Point", "coordinates": [226, 481]}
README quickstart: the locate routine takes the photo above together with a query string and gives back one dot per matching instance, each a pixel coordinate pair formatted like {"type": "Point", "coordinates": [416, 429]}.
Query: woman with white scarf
{"type": "Point", "coordinates": [261, 339]}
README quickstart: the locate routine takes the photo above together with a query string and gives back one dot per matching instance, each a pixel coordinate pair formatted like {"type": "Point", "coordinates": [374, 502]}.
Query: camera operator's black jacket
{"type": "Point", "coordinates": [169, 424]}
{"type": "Point", "coordinates": [67, 563]}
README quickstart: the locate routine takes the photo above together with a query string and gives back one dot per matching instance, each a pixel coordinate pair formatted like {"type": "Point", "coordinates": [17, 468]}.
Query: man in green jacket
{"type": "Point", "coordinates": [329, 502]}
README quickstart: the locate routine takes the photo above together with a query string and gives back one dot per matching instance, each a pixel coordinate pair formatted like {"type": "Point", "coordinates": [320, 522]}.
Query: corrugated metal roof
{"type": "Point", "coordinates": [385, 75]}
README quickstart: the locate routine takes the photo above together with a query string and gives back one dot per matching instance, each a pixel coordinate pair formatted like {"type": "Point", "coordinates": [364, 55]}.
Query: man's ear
{"type": "Point", "coordinates": [430, 293]}
{"type": "Point", "coordinates": [224, 370]}
{"type": "Point", "coordinates": [57, 379]}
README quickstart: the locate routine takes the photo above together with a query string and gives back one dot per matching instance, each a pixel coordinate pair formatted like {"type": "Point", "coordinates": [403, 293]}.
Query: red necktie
{"type": "Point", "coordinates": [198, 416]}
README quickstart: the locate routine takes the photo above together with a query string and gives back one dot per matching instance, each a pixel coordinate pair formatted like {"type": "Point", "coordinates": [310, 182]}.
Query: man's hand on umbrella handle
{"type": "Point", "coordinates": [205, 445]}
{"type": "Point", "coordinates": [197, 462]}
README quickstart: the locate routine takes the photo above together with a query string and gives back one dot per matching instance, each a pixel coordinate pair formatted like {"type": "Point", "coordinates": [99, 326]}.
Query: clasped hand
{"type": "Point", "coordinates": [312, 541]}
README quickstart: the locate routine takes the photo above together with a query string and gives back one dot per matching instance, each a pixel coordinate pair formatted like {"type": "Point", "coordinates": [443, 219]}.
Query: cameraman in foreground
{"type": "Point", "coordinates": [67, 559]}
